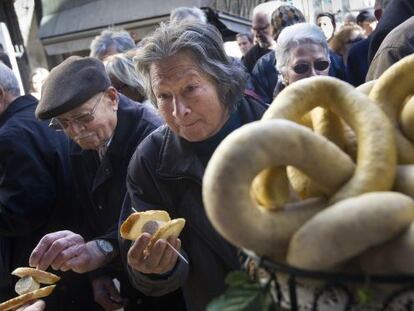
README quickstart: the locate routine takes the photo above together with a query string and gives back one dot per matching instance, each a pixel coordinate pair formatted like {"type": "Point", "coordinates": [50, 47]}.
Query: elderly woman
{"type": "Point", "coordinates": [198, 91]}
{"type": "Point", "coordinates": [124, 78]}
{"type": "Point", "coordinates": [301, 52]}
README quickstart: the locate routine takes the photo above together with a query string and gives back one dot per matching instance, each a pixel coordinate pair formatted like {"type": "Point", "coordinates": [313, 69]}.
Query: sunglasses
{"type": "Point", "coordinates": [319, 65]}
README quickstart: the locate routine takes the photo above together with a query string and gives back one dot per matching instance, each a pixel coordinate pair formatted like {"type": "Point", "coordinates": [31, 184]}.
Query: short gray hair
{"type": "Point", "coordinates": [120, 39]}
{"type": "Point", "coordinates": [121, 66]}
{"type": "Point", "coordinates": [293, 36]}
{"type": "Point", "coordinates": [8, 81]}
{"type": "Point", "coordinates": [206, 44]}
{"type": "Point", "coordinates": [185, 13]}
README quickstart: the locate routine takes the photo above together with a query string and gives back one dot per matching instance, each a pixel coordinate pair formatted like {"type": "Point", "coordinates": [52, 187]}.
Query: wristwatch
{"type": "Point", "coordinates": [106, 248]}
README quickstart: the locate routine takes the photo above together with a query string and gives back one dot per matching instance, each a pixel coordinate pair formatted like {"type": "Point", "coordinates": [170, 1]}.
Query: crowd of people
{"type": "Point", "coordinates": [132, 128]}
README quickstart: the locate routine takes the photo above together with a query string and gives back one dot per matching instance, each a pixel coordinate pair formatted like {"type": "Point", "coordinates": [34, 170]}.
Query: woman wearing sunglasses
{"type": "Point", "coordinates": [301, 52]}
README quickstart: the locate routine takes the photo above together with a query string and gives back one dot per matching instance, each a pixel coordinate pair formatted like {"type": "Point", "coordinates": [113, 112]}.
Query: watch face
{"type": "Point", "coordinates": [105, 246]}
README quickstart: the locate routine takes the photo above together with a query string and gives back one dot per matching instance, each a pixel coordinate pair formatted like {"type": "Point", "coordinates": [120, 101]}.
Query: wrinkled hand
{"type": "Point", "coordinates": [106, 294]}
{"type": "Point", "coordinates": [38, 305]}
{"type": "Point", "coordinates": [65, 250]}
{"type": "Point", "coordinates": [161, 258]}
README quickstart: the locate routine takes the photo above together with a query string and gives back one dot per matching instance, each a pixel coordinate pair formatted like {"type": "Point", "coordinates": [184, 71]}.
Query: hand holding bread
{"type": "Point", "coordinates": [151, 230]}
{"type": "Point", "coordinates": [28, 287]}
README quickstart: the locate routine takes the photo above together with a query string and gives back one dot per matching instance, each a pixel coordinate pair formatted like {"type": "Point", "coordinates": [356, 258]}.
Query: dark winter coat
{"type": "Point", "coordinates": [165, 173]}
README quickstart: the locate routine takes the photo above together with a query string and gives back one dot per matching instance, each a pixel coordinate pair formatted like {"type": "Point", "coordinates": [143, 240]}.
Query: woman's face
{"type": "Point", "coordinates": [306, 60]}
{"type": "Point", "coordinates": [187, 97]}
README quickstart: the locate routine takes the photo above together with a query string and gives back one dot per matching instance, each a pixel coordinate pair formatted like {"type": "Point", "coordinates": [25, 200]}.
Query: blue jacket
{"type": "Point", "coordinates": [100, 190]}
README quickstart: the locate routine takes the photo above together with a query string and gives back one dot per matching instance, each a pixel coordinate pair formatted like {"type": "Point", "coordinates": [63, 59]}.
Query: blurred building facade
{"type": "Point", "coordinates": [44, 32]}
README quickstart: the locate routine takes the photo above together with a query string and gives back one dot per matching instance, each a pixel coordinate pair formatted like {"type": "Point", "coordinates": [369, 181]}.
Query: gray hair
{"type": "Point", "coordinates": [121, 40]}
{"type": "Point", "coordinates": [266, 8]}
{"type": "Point", "coordinates": [205, 43]}
{"type": "Point", "coordinates": [293, 36]}
{"type": "Point", "coordinates": [8, 81]}
{"type": "Point", "coordinates": [185, 13]}
{"type": "Point", "coordinates": [121, 66]}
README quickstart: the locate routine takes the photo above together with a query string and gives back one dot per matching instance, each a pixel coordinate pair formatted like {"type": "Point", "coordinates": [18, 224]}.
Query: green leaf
{"type": "Point", "coordinates": [235, 278]}
{"type": "Point", "coordinates": [363, 296]}
{"type": "Point", "coordinates": [239, 298]}
{"type": "Point", "coordinates": [242, 295]}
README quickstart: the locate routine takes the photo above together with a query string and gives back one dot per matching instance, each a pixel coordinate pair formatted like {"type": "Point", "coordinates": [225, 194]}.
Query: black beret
{"type": "Point", "coordinates": [70, 84]}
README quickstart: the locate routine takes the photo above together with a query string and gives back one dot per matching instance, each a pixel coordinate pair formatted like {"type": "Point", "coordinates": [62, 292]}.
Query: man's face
{"type": "Point", "coordinates": [92, 124]}
{"type": "Point", "coordinates": [368, 26]}
{"type": "Point", "coordinates": [244, 44]}
{"type": "Point", "coordinates": [262, 31]}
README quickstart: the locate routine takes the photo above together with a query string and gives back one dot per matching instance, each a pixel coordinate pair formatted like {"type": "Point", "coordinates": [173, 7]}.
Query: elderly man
{"type": "Point", "coordinates": [34, 181]}
{"type": "Point", "coordinates": [105, 128]}
{"type": "Point", "coordinates": [262, 33]}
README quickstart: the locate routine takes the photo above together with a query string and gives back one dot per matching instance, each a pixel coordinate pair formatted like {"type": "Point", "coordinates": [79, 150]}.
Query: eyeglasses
{"type": "Point", "coordinates": [303, 68]}
{"type": "Point", "coordinates": [82, 120]}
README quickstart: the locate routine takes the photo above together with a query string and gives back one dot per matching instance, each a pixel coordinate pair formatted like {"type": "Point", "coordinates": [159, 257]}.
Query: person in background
{"type": "Point", "coordinates": [398, 44]}
{"type": "Point", "coordinates": [357, 63]}
{"type": "Point", "coordinates": [198, 90]}
{"type": "Point", "coordinates": [349, 20]}
{"type": "Point", "coordinates": [301, 52]}
{"type": "Point", "coordinates": [105, 128]}
{"type": "Point", "coordinates": [343, 40]}
{"type": "Point", "coordinates": [111, 42]}
{"type": "Point", "coordinates": [262, 33]}
{"type": "Point", "coordinates": [264, 76]}
{"type": "Point", "coordinates": [35, 187]}
{"type": "Point", "coordinates": [37, 79]}
{"type": "Point", "coordinates": [188, 13]}
{"type": "Point", "coordinates": [367, 21]}
{"type": "Point", "coordinates": [124, 78]}
{"type": "Point", "coordinates": [326, 22]}
{"type": "Point", "coordinates": [245, 42]}
{"type": "Point", "coordinates": [397, 12]}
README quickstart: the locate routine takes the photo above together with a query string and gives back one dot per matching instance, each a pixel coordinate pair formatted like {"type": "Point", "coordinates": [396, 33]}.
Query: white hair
{"type": "Point", "coordinates": [267, 8]}
{"type": "Point", "coordinates": [293, 36]}
{"type": "Point", "coordinates": [8, 80]}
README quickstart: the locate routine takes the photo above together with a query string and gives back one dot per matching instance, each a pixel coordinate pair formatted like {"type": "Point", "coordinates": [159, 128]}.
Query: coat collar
{"type": "Point", "coordinates": [177, 157]}
{"type": "Point", "coordinates": [20, 103]}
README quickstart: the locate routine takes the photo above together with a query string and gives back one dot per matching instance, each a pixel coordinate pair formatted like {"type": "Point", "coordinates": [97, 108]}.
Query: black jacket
{"type": "Point", "coordinates": [34, 198]}
{"type": "Point", "coordinates": [165, 173]}
{"type": "Point", "coordinates": [100, 189]}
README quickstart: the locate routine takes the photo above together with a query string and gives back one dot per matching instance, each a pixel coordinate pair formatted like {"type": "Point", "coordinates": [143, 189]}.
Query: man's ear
{"type": "Point", "coordinates": [113, 95]}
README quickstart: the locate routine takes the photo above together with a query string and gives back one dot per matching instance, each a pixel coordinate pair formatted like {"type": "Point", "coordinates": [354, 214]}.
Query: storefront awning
{"type": "Point", "coordinates": [70, 26]}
